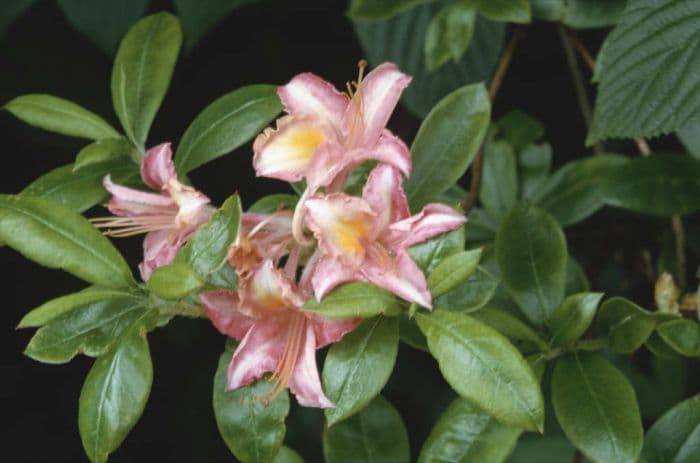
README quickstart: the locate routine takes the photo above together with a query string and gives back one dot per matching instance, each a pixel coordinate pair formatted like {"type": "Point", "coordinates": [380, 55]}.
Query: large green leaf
{"type": "Point", "coordinates": [287, 455]}
{"type": "Point", "coordinates": [690, 137]}
{"type": "Point", "coordinates": [510, 326]}
{"type": "Point", "coordinates": [597, 408]}
{"type": "Point", "coordinates": [356, 299]}
{"type": "Point", "coordinates": [484, 367]}
{"type": "Point", "coordinates": [357, 368]}
{"type": "Point", "coordinates": [517, 11]}
{"type": "Point", "coordinates": [446, 143]}
{"type": "Point", "coordinates": [200, 16]}
{"type": "Point", "coordinates": [573, 317]}
{"type": "Point", "coordinates": [534, 163]}
{"type": "Point", "coordinates": [682, 335]}
{"type": "Point", "coordinates": [109, 149]}
{"type": "Point", "coordinates": [428, 254]}
{"type": "Point", "coordinates": [227, 123]}
{"type": "Point", "coordinates": [11, 10]}
{"type": "Point", "coordinates": [115, 392]}
{"type": "Point", "coordinates": [532, 256]}
{"type": "Point", "coordinates": [449, 34]}
{"type": "Point", "coordinates": [675, 438]}
{"type": "Point", "coordinates": [464, 434]}
{"type": "Point", "coordinates": [61, 116]}
{"type": "Point", "coordinates": [471, 295]}
{"type": "Point", "coordinates": [499, 179]}
{"type": "Point", "coordinates": [373, 10]}
{"type": "Point", "coordinates": [453, 271]}
{"type": "Point", "coordinates": [174, 281]}
{"type": "Point", "coordinates": [401, 39]}
{"type": "Point", "coordinates": [626, 324]}
{"type": "Point", "coordinates": [644, 68]}
{"type": "Point", "coordinates": [585, 14]}
{"type": "Point", "coordinates": [375, 435]}
{"type": "Point", "coordinates": [56, 237]}
{"type": "Point", "coordinates": [142, 70]}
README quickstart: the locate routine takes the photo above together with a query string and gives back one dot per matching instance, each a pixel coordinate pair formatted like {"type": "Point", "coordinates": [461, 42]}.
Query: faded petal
{"type": "Point", "coordinates": [260, 351]}
{"type": "Point", "coordinates": [222, 309]}
{"type": "Point", "coordinates": [433, 220]}
{"type": "Point", "coordinates": [159, 248]}
{"type": "Point", "coordinates": [267, 292]}
{"type": "Point", "coordinates": [328, 331]}
{"type": "Point", "coordinates": [128, 201]}
{"type": "Point", "coordinates": [307, 93]}
{"type": "Point", "coordinates": [404, 278]}
{"type": "Point", "coordinates": [157, 167]}
{"type": "Point", "coordinates": [305, 382]}
{"type": "Point", "coordinates": [384, 193]}
{"type": "Point", "coordinates": [329, 273]}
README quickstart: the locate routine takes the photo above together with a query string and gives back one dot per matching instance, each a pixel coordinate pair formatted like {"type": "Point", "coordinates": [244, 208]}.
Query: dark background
{"type": "Point", "coordinates": [267, 42]}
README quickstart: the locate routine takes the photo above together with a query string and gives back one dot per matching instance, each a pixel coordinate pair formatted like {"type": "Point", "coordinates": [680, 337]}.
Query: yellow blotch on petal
{"type": "Point", "coordinates": [351, 235]}
{"type": "Point", "coordinates": [292, 145]}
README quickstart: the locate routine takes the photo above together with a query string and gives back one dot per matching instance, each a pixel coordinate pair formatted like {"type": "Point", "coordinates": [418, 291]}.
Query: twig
{"type": "Point", "coordinates": [583, 52]}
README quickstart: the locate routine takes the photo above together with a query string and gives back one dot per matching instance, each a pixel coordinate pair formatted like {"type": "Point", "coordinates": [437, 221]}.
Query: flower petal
{"type": "Point", "coordinates": [404, 279]}
{"type": "Point", "coordinates": [222, 309]}
{"type": "Point", "coordinates": [260, 351]}
{"type": "Point", "coordinates": [329, 273]}
{"type": "Point", "coordinates": [305, 382]}
{"type": "Point", "coordinates": [328, 161]}
{"type": "Point", "coordinates": [128, 201]}
{"type": "Point", "coordinates": [328, 331]}
{"type": "Point", "coordinates": [267, 292]}
{"type": "Point", "coordinates": [307, 93]}
{"type": "Point", "coordinates": [157, 166]}
{"type": "Point", "coordinates": [433, 220]}
{"type": "Point", "coordinates": [384, 193]}
{"type": "Point", "coordinates": [159, 248]}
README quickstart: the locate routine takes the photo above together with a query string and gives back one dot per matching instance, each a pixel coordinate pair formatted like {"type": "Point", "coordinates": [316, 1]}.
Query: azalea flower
{"type": "Point", "coordinates": [169, 217]}
{"type": "Point", "coordinates": [275, 334]}
{"type": "Point", "coordinates": [367, 239]}
{"type": "Point", "coordinates": [261, 236]}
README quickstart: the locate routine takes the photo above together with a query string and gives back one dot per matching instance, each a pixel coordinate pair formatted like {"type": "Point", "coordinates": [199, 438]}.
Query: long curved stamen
{"type": "Point", "coordinates": [297, 219]}
{"type": "Point", "coordinates": [134, 225]}
{"type": "Point", "coordinates": [285, 368]}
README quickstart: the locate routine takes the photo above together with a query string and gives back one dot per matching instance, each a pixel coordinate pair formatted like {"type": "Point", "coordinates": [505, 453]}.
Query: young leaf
{"type": "Point", "coordinates": [682, 335]}
{"type": "Point", "coordinates": [644, 64]}
{"type": "Point", "coordinates": [227, 123]}
{"type": "Point", "coordinates": [453, 271]}
{"type": "Point", "coordinates": [253, 431]}
{"type": "Point", "coordinates": [356, 299]}
{"type": "Point", "coordinates": [573, 317]}
{"type": "Point", "coordinates": [516, 11]}
{"type": "Point", "coordinates": [626, 324]}
{"type": "Point", "coordinates": [375, 435]}
{"type": "Point", "coordinates": [531, 254]}
{"type": "Point", "coordinates": [446, 143]}
{"type": "Point", "coordinates": [61, 116]}
{"type": "Point", "coordinates": [428, 254]}
{"type": "Point", "coordinates": [174, 281]}
{"type": "Point", "coordinates": [198, 18]}
{"type": "Point", "coordinates": [464, 434]}
{"type": "Point", "coordinates": [484, 367]}
{"type": "Point", "coordinates": [115, 393]}
{"type": "Point", "coordinates": [510, 326]}
{"type": "Point", "coordinates": [109, 149]}
{"type": "Point", "coordinates": [142, 70]}
{"type": "Point", "coordinates": [373, 10]}
{"type": "Point", "coordinates": [357, 368]}
{"type": "Point", "coordinates": [499, 180]}
{"type": "Point", "coordinates": [675, 438]}
{"type": "Point", "coordinates": [56, 237]}
{"type": "Point", "coordinates": [470, 295]}
{"type": "Point", "coordinates": [597, 408]}
{"type": "Point", "coordinates": [449, 34]}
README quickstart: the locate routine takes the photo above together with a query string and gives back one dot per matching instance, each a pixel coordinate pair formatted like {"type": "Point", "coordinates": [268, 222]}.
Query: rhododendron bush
{"type": "Point", "coordinates": [453, 243]}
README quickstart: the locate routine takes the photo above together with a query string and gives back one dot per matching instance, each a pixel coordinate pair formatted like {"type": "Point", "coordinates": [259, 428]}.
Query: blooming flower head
{"type": "Point", "coordinates": [261, 237]}
{"type": "Point", "coordinates": [169, 217]}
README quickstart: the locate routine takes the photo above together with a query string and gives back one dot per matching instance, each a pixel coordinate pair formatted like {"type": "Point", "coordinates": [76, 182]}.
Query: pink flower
{"type": "Point", "coordinates": [261, 237]}
{"type": "Point", "coordinates": [367, 239]}
{"type": "Point", "coordinates": [169, 218]}
{"type": "Point", "coordinates": [275, 334]}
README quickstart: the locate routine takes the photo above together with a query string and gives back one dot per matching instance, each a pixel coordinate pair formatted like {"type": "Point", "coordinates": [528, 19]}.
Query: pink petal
{"type": "Point", "coordinates": [260, 351]}
{"type": "Point", "coordinates": [267, 292]}
{"type": "Point", "coordinates": [159, 248]}
{"type": "Point", "coordinates": [222, 309]}
{"type": "Point", "coordinates": [128, 201]}
{"type": "Point", "coordinates": [328, 331]}
{"type": "Point", "coordinates": [404, 279]}
{"type": "Point", "coordinates": [307, 93]}
{"type": "Point", "coordinates": [390, 149]}
{"type": "Point", "coordinates": [329, 273]}
{"type": "Point", "coordinates": [384, 193]}
{"type": "Point", "coordinates": [305, 382]}
{"type": "Point", "coordinates": [433, 220]}
{"type": "Point", "coordinates": [328, 161]}
{"type": "Point", "coordinates": [157, 166]}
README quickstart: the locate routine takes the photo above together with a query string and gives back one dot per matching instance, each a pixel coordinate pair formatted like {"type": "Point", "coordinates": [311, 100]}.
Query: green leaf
{"type": "Point", "coordinates": [484, 367]}
{"type": "Point", "coordinates": [586, 14]}
{"type": "Point", "coordinates": [499, 179]}
{"type": "Point", "coordinates": [689, 135]}
{"type": "Point", "coordinates": [516, 11]}
{"type": "Point", "coordinates": [644, 64]}
{"type": "Point", "coordinates": [61, 116]}
{"type": "Point", "coordinates": [682, 335]}
{"type": "Point", "coordinates": [482, 228]}
{"type": "Point", "coordinates": [449, 34]}
{"type": "Point", "coordinates": [357, 368]}
{"type": "Point", "coordinates": [573, 317]}
{"type": "Point", "coordinates": [597, 408]}
{"type": "Point", "coordinates": [576, 280]}
{"type": "Point", "coordinates": [446, 143]}
{"type": "Point", "coordinates": [56, 237]}
{"type": "Point", "coordinates": [550, 448]}
{"type": "Point", "coordinates": [226, 124]}
{"type": "Point", "coordinates": [287, 455]}
{"type": "Point", "coordinates": [659, 347]}
{"type": "Point", "coordinates": [142, 70]}
{"type": "Point", "coordinates": [109, 149]}
{"type": "Point", "coordinates": [453, 271]}
{"type": "Point", "coordinates": [115, 393]}
{"type": "Point", "coordinates": [625, 323]}
{"type": "Point", "coordinates": [428, 254]}
{"type": "Point", "coordinates": [675, 438]}
{"type": "Point", "coordinates": [510, 326]}
{"type": "Point", "coordinates": [660, 184]}
{"type": "Point", "coordinates": [356, 299]}
{"type": "Point", "coordinates": [174, 281]}
{"type": "Point", "coordinates": [464, 434]}
{"type": "Point", "coordinates": [470, 295]}
{"type": "Point", "coordinates": [578, 189]}
{"type": "Point", "coordinates": [534, 163]}
{"type": "Point", "coordinates": [373, 10]}
{"type": "Point", "coordinates": [401, 39]}
{"type": "Point", "coordinates": [375, 435]}
{"type": "Point", "coordinates": [252, 430]}
{"type": "Point", "coordinates": [10, 10]}
{"type": "Point", "coordinates": [273, 203]}
{"type": "Point", "coordinates": [519, 129]}
{"type": "Point", "coordinates": [103, 21]}
{"type": "Point", "coordinates": [200, 16]}
{"type": "Point", "coordinates": [532, 256]}
{"type": "Point", "coordinates": [410, 334]}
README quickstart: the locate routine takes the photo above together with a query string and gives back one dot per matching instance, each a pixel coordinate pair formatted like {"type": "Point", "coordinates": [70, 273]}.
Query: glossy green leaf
{"type": "Point", "coordinates": [225, 278]}
{"type": "Point", "coordinates": [356, 299]}
{"type": "Point", "coordinates": [510, 326]}
{"type": "Point", "coordinates": [174, 281]}
{"type": "Point", "coordinates": [287, 455]}
{"type": "Point", "coordinates": [519, 129]}
{"type": "Point", "coordinates": [644, 64]}
{"type": "Point", "coordinates": [273, 203]}
{"type": "Point", "coordinates": [449, 34]}
{"type": "Point", "coordinates": [608, 428]}
{"type": "Point", "coordinates": [115, 393]}
{"type": "Point", "coordinates": [373, 10]}
{"type": "Point", "coordinates": [659, 347]}
{"type": "Point", "coordinates": [482, 228]}
{"type": "Point", "coordinates": [499, 179]}
{"type": "Point", "coordinates": [470, 295]}
{"type": "Point", "coordinates": [446, 143]}
{"type": "Point", "coordinates": [200, 16]}
{"type": "Point", "coordinates": [357, 368]}
{"type": "Point", "coordinates": [11, 10]}
{"type": "Point", "coordinates": [142, 70]}
{"type": "Point", "coordinates": [226, 124]}
{"type": "Point", "coordinates": [586, 14]}
{"type": "Point", "coordinates": [484, 367]}
{"type": "Point", "coordinates": [576, 280]}
{"type": "Point", "coordinates": [428, 254]}
{"type": "Point", "coordinates": [103, 21]}
{"type": "Point", "coordinates": [61, 116]}
{"type": "Point", "coordinates": [573, 317]}
{"type": "Point", "coordinates": [689, 135]}
{"type": "Point", "coordinates": [549, 448]}
{"type": "Point", "coordinates": [400, 40]}
{"type": "Point", "coordinates": [532, 256]}
{"type": "Point", "coordinates": [252, 430]}
{"type": "Point", "coordinates": [56, 237]}
{"type": "Point", "coordinates": [534, 163]}
{"type": "Point", "coordinates": [625, 323]}
{"type": "Point", "coordinates": [516, 11]}
{"type": "Point", "coordinates": [410, 334]}
{"type": "Point", "coordinates": [375, 435]}
{"type": "Point", "coordinates": [660, 184]}
{"type": "Point", "coordinates": [453, 271]}
{"type": "Point", "coordinates": [464, 434]}
{"type": "Point", "coordinates": [682, 335]}
{"type": "Point", "coordinates": [675, 438]}
{"type": "Point", "coordinates": [109, 149]}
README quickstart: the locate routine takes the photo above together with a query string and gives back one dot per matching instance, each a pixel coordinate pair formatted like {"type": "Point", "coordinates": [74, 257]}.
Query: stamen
{"type": "Point", "coordinates": [285, 368]}
{"type": "Point", "coordinates": [362, 64]}
{"type": "Point", "coordinates": [127, 226]}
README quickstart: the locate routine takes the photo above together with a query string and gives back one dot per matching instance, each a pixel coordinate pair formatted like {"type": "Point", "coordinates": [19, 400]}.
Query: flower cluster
{"type": "Point", "coordinates": [328, 239]}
